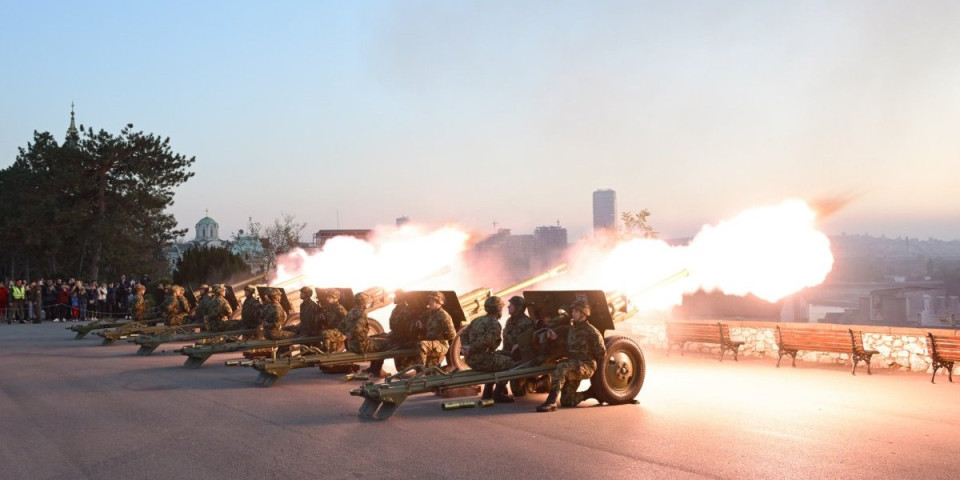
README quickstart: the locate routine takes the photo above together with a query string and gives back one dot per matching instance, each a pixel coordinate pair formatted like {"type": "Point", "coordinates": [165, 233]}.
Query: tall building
{"type": "Point", "coordinates": [604, 210]}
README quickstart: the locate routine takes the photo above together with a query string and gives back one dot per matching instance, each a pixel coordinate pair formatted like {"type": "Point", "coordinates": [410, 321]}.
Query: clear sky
{"type": "Point", "coordinates": [511, 111]}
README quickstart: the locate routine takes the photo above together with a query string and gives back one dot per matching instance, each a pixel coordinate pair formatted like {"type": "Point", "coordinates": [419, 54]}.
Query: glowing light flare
{"type": "Point", "coordinates": [770, 252]}
{"type": "Point", "coordinates": [392, 259]}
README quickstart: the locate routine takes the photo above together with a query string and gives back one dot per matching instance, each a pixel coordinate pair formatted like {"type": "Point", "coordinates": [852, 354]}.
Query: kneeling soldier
{"type": "Point", "coordinates": [357, 329]}
{"type": "Point", "coordinates": [437, 333]}
{"type": "Point", "coordinates": [482, 338]}
{"type": "Point", "coordinates": [584, 351]}
{"type": "Point", "coordinates": [274, 318]}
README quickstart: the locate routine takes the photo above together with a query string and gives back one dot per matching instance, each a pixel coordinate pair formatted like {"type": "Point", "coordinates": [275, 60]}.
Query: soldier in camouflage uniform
{"type": "Point", "coordinates": [138, 306]}
{"type": "Point", "coordinates": [357, 329]}
{"type": "Point", "coordinates": [175, 307]}
{"type": "Point", "coordinates": [250, 312]}
{"type": "Point", "coordinates": [203, 299]}
{"type": "Point", "coordinates": [401, 334]}
{"type": "Point", "coordinates": [274, 317]}
{"type": "Point", "coordinates": [310, 314]}
{"type": "Point", "coordinates": [584, 351]}
{"type": "Point", "coordinates": [519, 330]}
{"type": "Point", "coordinates": [482, 338]}
{"type": "Point", "coordinates": [218, 311]}
{"type": "Point", "coordinates": [333, 338]}
{"type": "Point", "coordinates": [437, 333]}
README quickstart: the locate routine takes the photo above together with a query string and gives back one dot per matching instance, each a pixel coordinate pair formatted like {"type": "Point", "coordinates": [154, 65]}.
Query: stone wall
{"type": "Point", "coordinates": [900, 348]}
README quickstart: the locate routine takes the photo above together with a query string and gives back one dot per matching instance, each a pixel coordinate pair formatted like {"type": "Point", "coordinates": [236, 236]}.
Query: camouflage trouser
{"type": "Point", "coordinates": [372, 344]}
{"type": "Point", "coordinates": [230, 325]}
{"type": "Point", "coordinates": [277, 334]}
{"type": "Point", "coordinates": [174, 320]}
{"type": "Point", "coordinates": [489, 361]}
{"type": "Point", "coordinates": [566, 378]}
{"type": "Point", "coordinates": [432, 352]}
{"type": "Point", "coordinates": [332, 340]}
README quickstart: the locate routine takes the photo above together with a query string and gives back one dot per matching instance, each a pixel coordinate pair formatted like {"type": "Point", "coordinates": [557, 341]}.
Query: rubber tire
{"type": "Point", "coordinates": [607, 384]}
{"type": "Point", "coordinates": [454, 359]}
{"type": "Point", "coordinates": [374, 327]}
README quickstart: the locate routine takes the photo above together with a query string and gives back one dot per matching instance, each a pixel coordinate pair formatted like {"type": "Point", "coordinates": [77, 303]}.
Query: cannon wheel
{"type": "Point", "coordinates": [619, 379]}
{"type": "Point", "coordinates": [374, 327]}
{"type": "Point", "coordinates": [454, 358]}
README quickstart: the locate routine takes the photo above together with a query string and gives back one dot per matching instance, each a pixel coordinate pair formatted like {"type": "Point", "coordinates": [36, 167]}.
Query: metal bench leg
{"type": "Point", "coordinates": [855, 360]}
{"type": "Point", "coordinates": [722, 351]}
{"type": "Point", "coordinates": [950, 372]}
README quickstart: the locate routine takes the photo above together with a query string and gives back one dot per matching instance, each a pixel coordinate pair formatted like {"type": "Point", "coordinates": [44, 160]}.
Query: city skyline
{"type": "Point", "coordinates": [467, 114]}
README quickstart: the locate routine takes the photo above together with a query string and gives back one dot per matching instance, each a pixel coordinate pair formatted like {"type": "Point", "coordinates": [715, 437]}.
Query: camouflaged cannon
{"type": "Point", "coordinates": [197, 332]}
{"type": "Point", "coordinates": [617, 380]}
{"type": "Point", "coordinates": [462, 309]}
{"type": "Point", "coordinates": [136, 329]}
{"type": "Point", "coordinates": [254, 348]}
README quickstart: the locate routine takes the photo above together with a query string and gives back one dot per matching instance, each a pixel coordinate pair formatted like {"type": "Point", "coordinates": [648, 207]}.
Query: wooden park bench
{"type": "Point", "coordinates": [792, 340]}
{"type": "Point", "coordinates": [944, 351]}
{"type": "Point", "coordinates": [682, 333]}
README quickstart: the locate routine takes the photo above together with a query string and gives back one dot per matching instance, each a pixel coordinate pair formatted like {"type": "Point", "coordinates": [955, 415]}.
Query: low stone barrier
{"type": "Point", "coordinates": [900, 348]}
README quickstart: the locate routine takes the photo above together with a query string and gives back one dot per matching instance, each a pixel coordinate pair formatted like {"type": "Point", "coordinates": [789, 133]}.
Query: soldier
{"type": "Point", "coordinates": [137, 305]}
{"type": "Point", "coordinates": [483, 337]}
{"type": "Point", "coordinates": [203, 299]}
{"type": "Point", "coordinates": [218, 311]}
{"type": "Point", "coordinates": [584, 351]}
{"type": "Point", "coordinates": [274, 318]}
{"type": "Point", "coordinates": [357, 330]}
{"type": "Point", "coordinates": [518, 332]}
{"type": "Point", "coordinates": [250, 312]}
{"type": "Point", "coordinates": [310, 314]}
{"type": "Point", "coordinates": [175, 306]}
{"type": "Point", "coordinates": [401, 334]}
{"type": "Point", "coordinates": [330, 326]}
{"type": "Point", "coordinates": [437, 333]}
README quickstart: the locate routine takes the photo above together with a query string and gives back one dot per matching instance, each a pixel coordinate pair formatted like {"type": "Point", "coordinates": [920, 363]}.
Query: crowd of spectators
{"type": "Point", "coordinates": [65, 301]}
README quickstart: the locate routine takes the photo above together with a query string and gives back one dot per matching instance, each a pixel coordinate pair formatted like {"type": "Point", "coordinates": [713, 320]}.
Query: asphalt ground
{"type": "Point", "coordinates": [72, 409]}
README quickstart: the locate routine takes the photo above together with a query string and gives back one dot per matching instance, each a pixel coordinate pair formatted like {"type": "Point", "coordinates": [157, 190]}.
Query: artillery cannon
{"type": "Point", "coordinates": [149, 343]}
{"type": "Point", "coordinates": [272, 369]}
{"type": "Point", "coordinates": [616, 381]}
{"type": "Point", "coordinates": [198, 354]}
{"type": "Point", "coordinates": [150, 327]}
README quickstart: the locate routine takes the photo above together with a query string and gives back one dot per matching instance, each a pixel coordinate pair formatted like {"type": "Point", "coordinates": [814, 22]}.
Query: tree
{"type": "Point", "coordinates": [635, 225]}
{"type": "Point", "coordinates": [279, 238]}
{"type": "Point", "coordinates": [95, 204]}
{"type": "Point", "coordinates": [209, 265]}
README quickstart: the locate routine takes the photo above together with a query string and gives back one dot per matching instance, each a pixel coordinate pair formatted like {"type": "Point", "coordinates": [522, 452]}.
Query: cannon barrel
{"type": "Point", "coordinates": [472, 302]}
{"type": "Point", "coordinates": [553, 272]}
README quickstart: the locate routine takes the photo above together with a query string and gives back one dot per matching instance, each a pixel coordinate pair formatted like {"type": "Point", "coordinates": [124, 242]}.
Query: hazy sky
{"type": "Point", "coordinates": [514, 112]}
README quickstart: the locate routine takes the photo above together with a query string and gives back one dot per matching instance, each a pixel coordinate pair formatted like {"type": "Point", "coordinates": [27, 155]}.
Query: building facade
{"type": "Point", "coordinates": [604, 211]}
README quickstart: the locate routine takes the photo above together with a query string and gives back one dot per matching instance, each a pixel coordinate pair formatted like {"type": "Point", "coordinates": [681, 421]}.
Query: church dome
{"type": "Point", "coordinates": [206, 221]}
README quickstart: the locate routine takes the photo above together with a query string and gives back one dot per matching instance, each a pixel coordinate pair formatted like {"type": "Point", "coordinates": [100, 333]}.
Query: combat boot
{"type": "Point", "coordinates": [376, 369]}
{"type": "Point", "coordinates": [487, 392]}
{"type": "Point", "coordinates": [550, 405]}
{"type": "Point", "coordinates": [500, 394]}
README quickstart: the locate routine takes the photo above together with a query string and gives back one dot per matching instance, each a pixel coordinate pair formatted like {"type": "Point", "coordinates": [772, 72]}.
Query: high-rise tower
{"type": "Point", "coordinates": [604, 210]}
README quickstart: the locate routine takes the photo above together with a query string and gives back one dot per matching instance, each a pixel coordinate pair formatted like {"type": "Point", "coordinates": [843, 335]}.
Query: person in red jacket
{"type": "Point", "coordinates": [63, 303]}
{"type": "Point", "coordinates": [4, 293]}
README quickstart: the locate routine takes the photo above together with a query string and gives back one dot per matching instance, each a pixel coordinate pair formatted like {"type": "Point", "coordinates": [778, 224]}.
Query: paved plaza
{"type": "Point", "coordinates": [73, 409]}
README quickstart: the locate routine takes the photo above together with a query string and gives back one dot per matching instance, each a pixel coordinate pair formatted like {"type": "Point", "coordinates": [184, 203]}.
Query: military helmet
{"type": "Point", "coordinates": [436, 296]}
{"type": "Point", "coordinates": [249, 289]}
{"type": "Point", "coordinates": [175, 289]}
{"type": "Point", "coordinates": [518, 301]}
{"type": "Point", "coordinates": [493, 304]}
{"type": "Point", "coordinates": [218, 288]}
{"type": "Point", "coordinates": [332, 292]}
{"type": "Point", "coordinates": [273, 293]}
{"type": "Point", "coordinates": [581, 305]}
{"type": "Point", "coordinates": [306, 291]}
{"type": "Point", "coordinates": [361, 300]}
{"type": "Point", "coordinates": [205, 287]}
